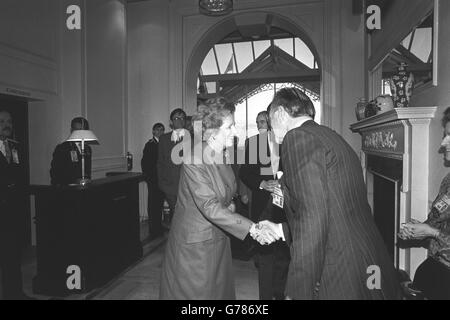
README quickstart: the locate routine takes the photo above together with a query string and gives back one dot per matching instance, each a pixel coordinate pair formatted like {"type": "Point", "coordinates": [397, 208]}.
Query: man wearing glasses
{"type": "Point", "coordinates": [168, 171]}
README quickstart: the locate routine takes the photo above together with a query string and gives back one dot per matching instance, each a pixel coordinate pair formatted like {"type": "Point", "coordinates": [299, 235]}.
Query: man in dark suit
{"type": "Point", "coordinates": [149, 168]}
{"type": "Point", "coordinates": [168, 171]}
{"type": "Point", "coordinates": [66, 164]}
{"type": "Point", "coordinates": [336, 249]}
{"type": "Point", "coordinates": [11, 213]}
{"type": "Point", "coordinates": [259, 175]}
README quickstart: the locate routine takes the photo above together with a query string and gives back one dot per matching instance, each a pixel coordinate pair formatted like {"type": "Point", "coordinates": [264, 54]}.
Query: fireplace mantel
{"type": "Point", "coordinates": [393, 133]}
{"type": "Point", "coordinates": [402, 134]}
{"type": "Point", "coordinates": [395, 115]}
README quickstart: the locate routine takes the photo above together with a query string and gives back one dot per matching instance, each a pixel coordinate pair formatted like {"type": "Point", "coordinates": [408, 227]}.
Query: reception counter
{"type": "Point", "coordinates": [86, 236]}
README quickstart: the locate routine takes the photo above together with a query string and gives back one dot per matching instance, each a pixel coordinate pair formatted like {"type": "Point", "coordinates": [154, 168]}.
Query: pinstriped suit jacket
{"type": "Point", "coordinates": [333, 236]}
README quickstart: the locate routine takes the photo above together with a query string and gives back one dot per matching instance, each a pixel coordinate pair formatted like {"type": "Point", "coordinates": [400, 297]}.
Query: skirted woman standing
{"type": "Point", "coordinates": [198, 262]}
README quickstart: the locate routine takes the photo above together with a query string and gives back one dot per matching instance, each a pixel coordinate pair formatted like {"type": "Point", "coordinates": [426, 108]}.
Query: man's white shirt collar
{"type": "Point", "coordinates": [177, 135]}
{"type": "Point", "coordinates": [78, 145]}
{"type": "Point", "coordinates": [301, 121]}
{"type": "Point", "coordinates": [274, 154]}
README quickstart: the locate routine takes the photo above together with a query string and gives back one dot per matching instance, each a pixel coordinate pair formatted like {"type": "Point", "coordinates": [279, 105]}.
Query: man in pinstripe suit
{"type": "Point", "coordinates": [336, 249]}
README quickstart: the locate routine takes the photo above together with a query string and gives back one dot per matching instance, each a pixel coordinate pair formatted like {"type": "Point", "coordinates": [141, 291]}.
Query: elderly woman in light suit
{"type": "Point", "coordinates": [197, 262]}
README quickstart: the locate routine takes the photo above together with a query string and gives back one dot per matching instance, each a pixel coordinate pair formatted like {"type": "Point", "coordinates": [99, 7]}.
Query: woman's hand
{"type": "Point", "coordinates": [417, 231]}
{"type": "Point", "coordinates": [263, 233]}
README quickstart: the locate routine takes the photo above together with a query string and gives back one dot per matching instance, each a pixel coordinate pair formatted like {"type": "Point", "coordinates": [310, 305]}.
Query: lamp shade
{"type": "Point", "coordinates": [80, 135]}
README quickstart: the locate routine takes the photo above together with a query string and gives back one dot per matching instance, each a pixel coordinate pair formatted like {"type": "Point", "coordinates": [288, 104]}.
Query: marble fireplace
{"type": "Point", "coordinates": [395, 161]}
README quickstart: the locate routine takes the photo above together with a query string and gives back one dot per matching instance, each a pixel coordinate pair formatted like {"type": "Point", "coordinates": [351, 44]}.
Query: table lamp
{"type": "Point", "coordinates": [83, 136]}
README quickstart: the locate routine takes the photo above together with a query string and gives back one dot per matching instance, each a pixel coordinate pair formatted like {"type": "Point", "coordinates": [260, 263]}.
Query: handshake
{"type": "Point", "coordinates": [267, 232]}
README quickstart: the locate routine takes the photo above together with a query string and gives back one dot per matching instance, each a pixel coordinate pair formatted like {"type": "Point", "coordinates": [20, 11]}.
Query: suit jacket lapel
{"type": "Point", "coordinates": [258, 146]}
{"type": "Point", "coordinates": [9, 149]}
{"type": "Point", "coordinates": [3, 159]}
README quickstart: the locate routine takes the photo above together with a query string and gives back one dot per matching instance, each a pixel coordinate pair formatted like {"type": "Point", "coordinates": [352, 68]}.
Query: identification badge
{"type": "Point", "coordinates": [15, 156]}
{"type": "Point", "coordinates": [442, 204]}
{"type": "Point", "coordinates": [74, 156]}
{"type": "Point", "coordinates": [277, 197]}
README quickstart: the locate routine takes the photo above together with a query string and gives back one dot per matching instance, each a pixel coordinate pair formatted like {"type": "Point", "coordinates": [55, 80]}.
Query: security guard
{"type": "Point", "coordinates": [155, 195]}
{"type": "Point", "coordinates": [66, 163]}
{"type": "Point", "coordinates": [11, 213]}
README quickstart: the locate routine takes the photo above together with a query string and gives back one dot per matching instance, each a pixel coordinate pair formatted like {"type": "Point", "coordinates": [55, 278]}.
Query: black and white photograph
{"type": "Point", "coordinates": [224, 157]}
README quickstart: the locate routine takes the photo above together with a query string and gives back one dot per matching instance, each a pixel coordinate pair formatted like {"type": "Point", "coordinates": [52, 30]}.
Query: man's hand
{"type": "Point", "coordinates": [274, 227]}
{"type": "Point", "coordinates": [264, 234]}
{"type": "Point", "coordinates": [269, 185]}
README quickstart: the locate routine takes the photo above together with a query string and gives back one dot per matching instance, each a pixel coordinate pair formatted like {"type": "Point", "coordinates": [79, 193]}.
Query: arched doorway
{"type": "Point", "coordinates": [250, 24]}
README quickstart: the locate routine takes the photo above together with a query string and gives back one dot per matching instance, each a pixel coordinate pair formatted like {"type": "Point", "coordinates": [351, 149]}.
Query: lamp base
{"type": "Point", "coordinates": [84, 182]}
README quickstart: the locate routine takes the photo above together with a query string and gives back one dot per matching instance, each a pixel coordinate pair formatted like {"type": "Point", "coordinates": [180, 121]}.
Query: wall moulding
{"type": "Point", "coordinates": [26, 91]}
{"type": "Point", "coordinates": [27, 71]}
{"type": "Point", "coordinates": [28, 56]}
{"type": "Point", "coordinates": [188, 8]}
{"type": "Point", "coordinates": [102, 164]}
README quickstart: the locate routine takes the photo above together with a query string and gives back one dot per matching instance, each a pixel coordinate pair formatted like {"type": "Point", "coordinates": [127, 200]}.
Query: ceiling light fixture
{"type": "Point", "coordinates": [215, 7]}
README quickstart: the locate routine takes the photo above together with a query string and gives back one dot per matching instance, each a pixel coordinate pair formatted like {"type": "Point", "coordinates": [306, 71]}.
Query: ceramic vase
{"type": "Point", "coordinates": [402, 84]}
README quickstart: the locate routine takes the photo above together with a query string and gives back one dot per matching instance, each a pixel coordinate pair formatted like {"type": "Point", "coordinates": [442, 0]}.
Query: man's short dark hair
{"type": "Point", "coordinates": [82, 121]}
{"type": "Point", "coordinates": [446, 117]}
{"type": "Point", "coordinates": [177, 111]}
{"type": "Point", "coordinates": [158, 125]}
{"type": "Point", "coordinates": [294, 101]}
{"type": "Point", "coordinates": [264, 113]}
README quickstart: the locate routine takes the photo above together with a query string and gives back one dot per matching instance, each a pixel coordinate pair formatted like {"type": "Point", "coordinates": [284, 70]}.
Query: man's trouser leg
{"type": "Point", "coordinates": [155, 205]}
{"type": "Point", "coordinates": [10, 254]}
{"type": "Point", "coordinates": [265, 272]}
{"type": "Point", "coordinates": [282, 258]}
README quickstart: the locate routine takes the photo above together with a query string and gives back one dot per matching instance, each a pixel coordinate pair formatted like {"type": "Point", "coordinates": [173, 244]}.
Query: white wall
{"type": "Point", "coordinates": [45, 62]}
{"type": "Point", "coordinates": [106, 82]}
{"type": "Point", "coordinates": [352, 68]}
{"type": "Point", "coordinates": [148, 72]}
